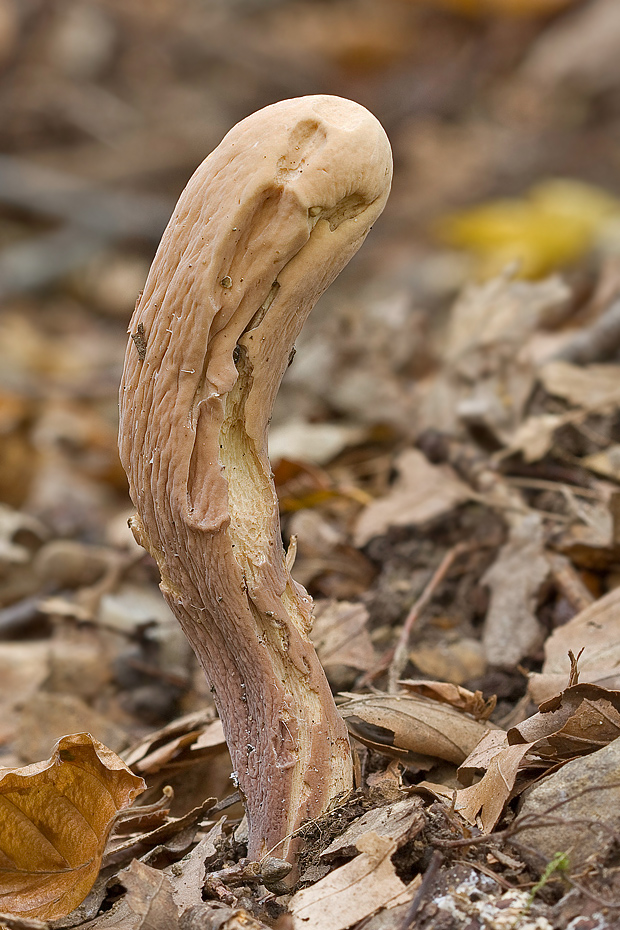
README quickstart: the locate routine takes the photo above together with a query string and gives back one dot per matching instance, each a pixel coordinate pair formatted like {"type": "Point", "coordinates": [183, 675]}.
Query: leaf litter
{"type": "Point", "coordinates": [448, 447]}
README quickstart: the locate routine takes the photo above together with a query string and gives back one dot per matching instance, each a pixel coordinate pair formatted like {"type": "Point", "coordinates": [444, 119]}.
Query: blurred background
{"type": "Point", "coordinates": [107, 107]}
{"type": "Point", "coordinates": [504, 116]}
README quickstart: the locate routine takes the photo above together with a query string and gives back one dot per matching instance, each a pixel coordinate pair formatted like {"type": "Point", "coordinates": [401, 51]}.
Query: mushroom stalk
{"type": "Point", "coordinates": [263, 227]}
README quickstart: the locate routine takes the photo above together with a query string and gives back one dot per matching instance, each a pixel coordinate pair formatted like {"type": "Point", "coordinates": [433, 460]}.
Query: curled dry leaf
{"type": "Point", "coordinates": [213, 915]}
{"type": "Point", "coordinates": [340, 635]}
{"type": "Point", "coordinates": [577, 722]}
{"type": "Point", "coordinates": [416, 730]}
{"type": "Point", "coordinates": [489, 363]}
{"type": "Point", "coordinates": [149, 899]}
{"type": "Point", "coordinates": [180, 744]}
{"type": "Point", "coordinates": [55, 819]}
{"type": "Point", "coordinates": [468, 702]}
{"type": "Point", "coordinates": [580, 720]}
{"type": "Point", "coordinates": [486, 800]}
{"type": "Point", "coordinates": [398, 822]}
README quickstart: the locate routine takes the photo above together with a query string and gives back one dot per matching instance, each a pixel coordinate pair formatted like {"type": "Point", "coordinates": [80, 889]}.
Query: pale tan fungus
{"type": "Point", "coordinates": [263, 227]}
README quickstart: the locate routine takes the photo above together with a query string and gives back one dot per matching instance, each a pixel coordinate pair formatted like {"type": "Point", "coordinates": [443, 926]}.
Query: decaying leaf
{"type": "Point", "coordinates": [148, 904]}
{"type": "Point", "coordinates": [581, 51]}
{"type": "Point", "coordinates": [481, 756]}
{"type": "Point", "coordinates": [414, 729]}
{"type": "Point", "coordinates": [149, 897]}
{"type": "Point", "coordinates": [452, 661]}
{"type": "Point", "coordinates": [355, 890]}
{"type": "Point", "coordinates": [187, 876]}
{"type": "Point", "coordinates": [421, 493]}
{"type": "Point", "coordinates": [55, 820]}
{"type": "Point", "coordinates": [177, 831]}
{"type": "Point", "coordinates": [580, 720]}
{"type": "Point", "coordinates": [534, 436]}
{"type": "Point", "coordinates": [606, 462]}
{"type": "Point", "coordinates": [213, 915]}
{"type": "Point", "coordinates": [596, 631]}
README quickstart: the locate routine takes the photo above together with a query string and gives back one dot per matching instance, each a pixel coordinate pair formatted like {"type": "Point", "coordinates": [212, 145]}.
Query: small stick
{"type": "Point", "coordinates": [398, 658]}
{"type": "Point", "coordinates": [429, 877]}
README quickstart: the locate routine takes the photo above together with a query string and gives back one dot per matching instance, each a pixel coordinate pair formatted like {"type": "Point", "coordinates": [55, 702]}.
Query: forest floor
{"type": "Point", "coordinates": [446, 449]}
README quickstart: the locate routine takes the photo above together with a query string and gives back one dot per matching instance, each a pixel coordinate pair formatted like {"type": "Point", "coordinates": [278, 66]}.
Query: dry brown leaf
{"type": "Point", "coordinates": [486, 799]}
{"type": "Point", "coordinates": [511, 629]}
{"type": "Point", "coordinates": [340, 635]}
{"type": "Point", "coordinates": [23, 669]}
{"type": "Point", "coordinates": [481, 755]}
{"type": "Point", "coordinates": [581, 51]}
{"type": "Point", "coordinates": [180, 831]}
{"type": "Point", "coordinates": [606, 462]}
{"type": "Point", "coordinates": [589, 386]}
{"type": "Point", "coordinates": [468, 702]}
{"type": "Point", "coordinates": [187, 876]}
{"type": "Point", "coordinates": [56, 817]}
{"type": "Point", "coordinates": [149, 896]}
{"type": "Point", "coordinates": [148, 904]}
{"type": "Point", "coordinates": [421, 493]}
{"type": "Point", "coordinates": [534, 436]}
{"type": "Point", "coordinates": [213, 915]}
{"type": "Point", "coordinates": [186, 740]}
{"type": "Point", "coordinates": [577, 722]}
{"type": "Point", "coordinates": [489, 368]}
{"type": "Point", "coordinates": [580, 720]}
{"type": "Point", "coordinates": [596, 630]}
{"type": "Point", "coordinates": [416, 730]}
{"type": "Point", "coordinates": [355, 890]}
{"type": "Point", "coordinates": [452, 661]}
{"type": "Point", "coordinates": [399, 822]}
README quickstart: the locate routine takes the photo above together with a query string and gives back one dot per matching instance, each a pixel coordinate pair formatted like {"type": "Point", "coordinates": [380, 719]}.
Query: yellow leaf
{"type": "Point", "coordinates": [55, 819]}
{"type": "Point", "coordinates": [556, 223]}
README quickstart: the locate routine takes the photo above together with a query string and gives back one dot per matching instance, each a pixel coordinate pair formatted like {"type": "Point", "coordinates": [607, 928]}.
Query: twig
{"type": "Point", "coordinates": [422, 892]}
{"type": "Point", "coordinates": [398, 658]}
{"type": "Point", "coordinates": [532, 821]}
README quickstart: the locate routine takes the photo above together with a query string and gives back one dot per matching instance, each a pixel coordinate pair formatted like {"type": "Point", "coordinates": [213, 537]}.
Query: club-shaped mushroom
{"type": "Point", "coordinates": [263, 227]}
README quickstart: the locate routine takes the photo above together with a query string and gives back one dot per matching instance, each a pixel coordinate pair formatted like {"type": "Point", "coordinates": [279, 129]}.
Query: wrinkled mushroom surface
{"type": "Point", "coordinates": [263, 227]}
